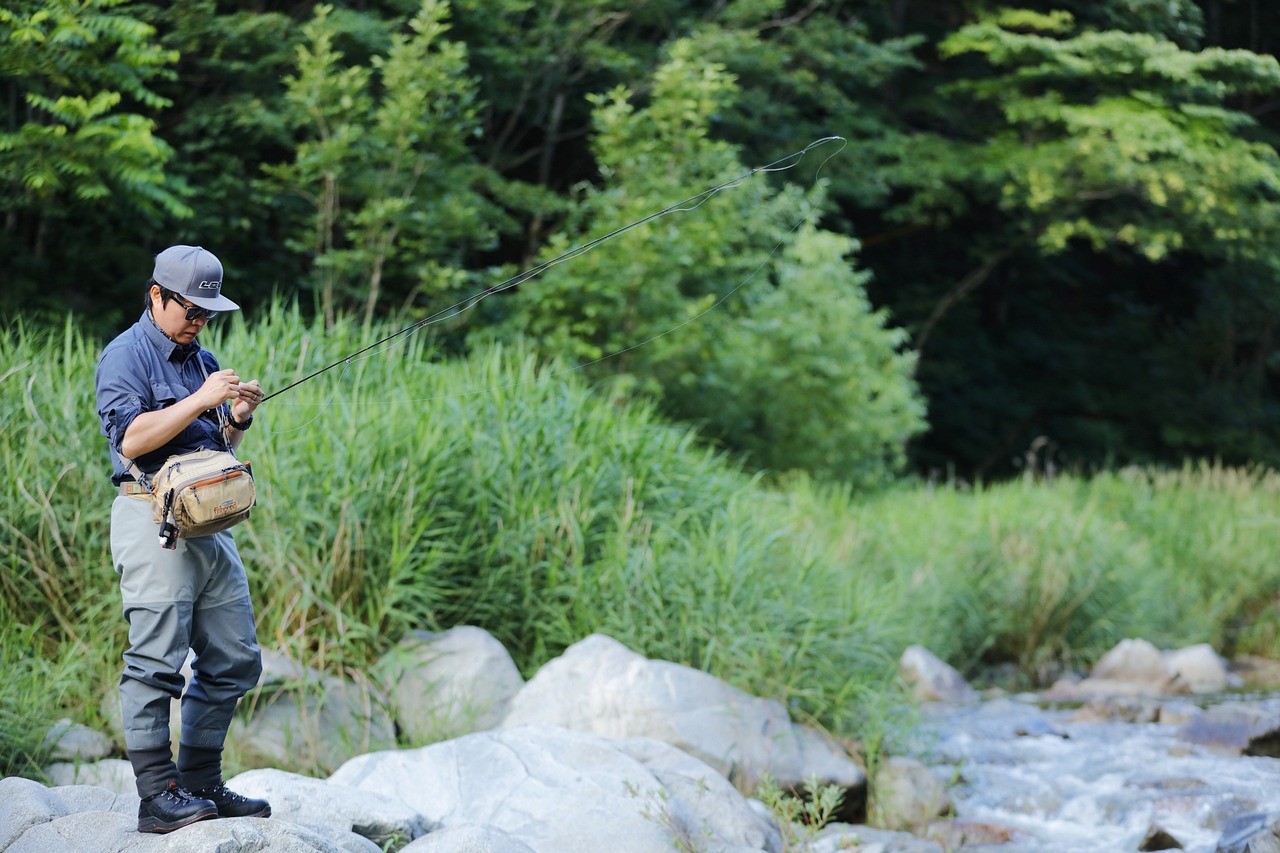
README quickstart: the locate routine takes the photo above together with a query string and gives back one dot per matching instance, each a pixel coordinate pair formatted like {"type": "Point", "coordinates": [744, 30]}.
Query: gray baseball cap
{"type": "Point", "coordinates": [195, 274]}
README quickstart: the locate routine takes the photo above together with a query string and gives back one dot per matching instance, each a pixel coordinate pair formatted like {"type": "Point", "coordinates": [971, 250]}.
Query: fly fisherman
{"type": "Point", "coordinates": [159, 394]}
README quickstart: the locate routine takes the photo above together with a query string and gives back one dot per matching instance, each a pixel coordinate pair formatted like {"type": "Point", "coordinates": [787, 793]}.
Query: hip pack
{"type": "Point", "coordinates": [200, 493]}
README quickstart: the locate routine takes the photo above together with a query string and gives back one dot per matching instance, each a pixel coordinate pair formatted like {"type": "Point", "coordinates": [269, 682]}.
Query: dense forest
{"type": "Point", "coordinates": [1046, 234]}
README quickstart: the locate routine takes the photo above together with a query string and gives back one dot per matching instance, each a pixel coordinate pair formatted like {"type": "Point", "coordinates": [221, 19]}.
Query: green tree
{"type": "Point", "coordinates": [733, 312]}
{"type": "Point", "coordinates": [1098, 182]}
{"type": "Point", "coordinates": [384, 163]}
{"type": "Point", "coordinates": [77, 141]}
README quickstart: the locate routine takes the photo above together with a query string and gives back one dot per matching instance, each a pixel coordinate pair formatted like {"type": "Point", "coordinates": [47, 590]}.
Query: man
{"type": "Point", "coordinates": [160, 394]}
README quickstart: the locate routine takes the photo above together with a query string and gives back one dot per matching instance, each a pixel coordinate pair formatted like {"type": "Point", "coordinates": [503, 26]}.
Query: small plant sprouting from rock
{"type": "Point", "coordinates": [800, 819]}
{"type": "Point", "coordinates": [656, 808]}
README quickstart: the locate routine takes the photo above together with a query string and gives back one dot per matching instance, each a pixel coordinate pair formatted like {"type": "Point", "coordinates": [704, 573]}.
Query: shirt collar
{"type": "Point", "coordinates": [168, 348]}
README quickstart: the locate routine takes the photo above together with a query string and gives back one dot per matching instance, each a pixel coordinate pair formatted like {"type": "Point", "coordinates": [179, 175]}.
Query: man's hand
{"type": "Point", "coordinates": [249, 396]}
{"type": "Point", "coordinates": [218, 389]}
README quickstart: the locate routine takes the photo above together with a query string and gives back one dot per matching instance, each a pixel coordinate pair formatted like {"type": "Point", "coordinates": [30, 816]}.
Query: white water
{"type": "Point", "coordinates": [1088, 787]}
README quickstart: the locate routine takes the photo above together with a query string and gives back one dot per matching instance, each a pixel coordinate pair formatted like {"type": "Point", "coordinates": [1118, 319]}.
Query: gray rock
{"type": "Point", "coordinates": [303, 719]}
{"type": "Point", "coordinates": [1200, 669]}
{"type": "Point", "coordinates": [448, 684]}
{"type": "Point", "coordinates": [68, 741]}
{"type": "Point", "coordinates": [907, 795]}
{"type": "Point", "coordinates": [317, 803]}
{"type": "Point", "coordinates": [1237, 728]}
{"type": "Point", "coordinates": [465, 838]}
{"type": "Point", "coordinates": [600, 686]}
{"type": "Point", "coordinates": [559, 791]}
{"type": "Point", "coordinates": [930, 679]}
{"type": "Point", "coordinates": [82, 819]}
{"type": "Point", "coordinates": [113, 774]}
{"type": "Point", "coordinates": [849, 838]}
{"type": "Point", "coordinates": [1250, 833]}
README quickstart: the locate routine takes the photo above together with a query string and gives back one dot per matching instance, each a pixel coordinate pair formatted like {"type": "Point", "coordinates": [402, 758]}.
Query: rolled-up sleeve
{"type": "Point", "coordinates": [123, 391]}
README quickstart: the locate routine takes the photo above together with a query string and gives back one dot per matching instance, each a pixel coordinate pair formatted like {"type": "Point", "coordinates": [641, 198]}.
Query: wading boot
{"type": "Point", "coordinates": [231, 804]}
{"type": "Point", "coordinates": [173, 808]}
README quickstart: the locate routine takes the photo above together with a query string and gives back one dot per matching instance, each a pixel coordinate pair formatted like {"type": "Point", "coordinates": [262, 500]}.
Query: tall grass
{"type": "Point", "coordinates": [403, 490]}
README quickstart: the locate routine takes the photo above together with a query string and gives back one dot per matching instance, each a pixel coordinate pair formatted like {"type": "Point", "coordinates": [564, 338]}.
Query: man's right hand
{"type": "Point", "coordinates": [220, 387]}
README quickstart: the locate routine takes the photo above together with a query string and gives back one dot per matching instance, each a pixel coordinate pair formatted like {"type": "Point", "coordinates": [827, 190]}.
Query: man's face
{"type": "Point", "coordinates": [171, 317]}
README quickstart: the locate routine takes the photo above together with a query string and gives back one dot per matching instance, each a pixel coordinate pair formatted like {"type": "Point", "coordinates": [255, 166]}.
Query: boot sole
{"type": "Point", "coordinates": [158, 826]}
{"type": "Point", "coordinates": [264, 813]}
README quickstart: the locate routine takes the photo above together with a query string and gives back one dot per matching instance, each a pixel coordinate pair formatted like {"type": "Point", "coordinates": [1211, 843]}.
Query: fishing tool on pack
{"type": "Point", "coordinates": [471, 301]}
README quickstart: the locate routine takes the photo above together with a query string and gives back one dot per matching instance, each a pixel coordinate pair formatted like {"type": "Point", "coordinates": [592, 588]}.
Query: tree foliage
{"type": "Point", "coordinates": [736, 311]}
{"type": "Point", "coordinates": [1066, 209]}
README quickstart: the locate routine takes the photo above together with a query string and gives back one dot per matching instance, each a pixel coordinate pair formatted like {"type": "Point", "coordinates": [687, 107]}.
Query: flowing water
{"type": "Point", "coordinates": [1087, 787]}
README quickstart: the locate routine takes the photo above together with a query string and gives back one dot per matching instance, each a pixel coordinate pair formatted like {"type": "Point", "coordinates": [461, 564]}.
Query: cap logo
{"type": "Point", "coordinates": [209, 285]}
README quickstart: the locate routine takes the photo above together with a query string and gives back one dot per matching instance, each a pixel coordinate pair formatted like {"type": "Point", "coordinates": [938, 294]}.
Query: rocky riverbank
{"type": "Point", "coordinates": [605, 750]}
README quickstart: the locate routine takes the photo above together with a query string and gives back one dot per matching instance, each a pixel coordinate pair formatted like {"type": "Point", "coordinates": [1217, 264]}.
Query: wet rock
{"type": "Point", "coordinates": [1134, 667]}
{"type": "Point", "coordinates": [930, 679]}
{"type": "Point", "coordinates": [1250, 833]}
{"type": "Point", "coordinates": [1237, 728]}
{"type": "Point", "coordinates": [1159, 839]}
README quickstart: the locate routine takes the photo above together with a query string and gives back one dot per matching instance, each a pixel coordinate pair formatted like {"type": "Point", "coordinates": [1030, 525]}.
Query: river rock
{"type": "Point", "coordinates": [1157, 838]}
{"type": "Point", "coordinates": [318, 803]}
{"type": "Point", "coordinates": [559, 791]}
{"type": "Point", "coordinates": [1238, 728]}
{"type": "Point", "coordinates": [855, 838]}
{"type": "Point", "coordinates": [443, 685]}
{"type": "Point", "coordinates": [465, 838]}
{"type": "Point", "coordinates": [1250, 833]}
{"type": "Point", "coordinates": [600, 686]}
{"type": "Point", "coordinates": [113, 774]}
{"type": "Point", "coordinates": [1254, 671]}
{"type": "Point", "coordinates": [302, 718]}
{"type": "Point", "coordinates": [82, 819]}
{"type": "Point", "coordinates": [930, 679]}
{"type": "Point", "coordinates": [1200, 668]}
{"type": "Point", "coordinates": [70, 741]}
{"type": "Point", "coordinates": [1133, 667]}
{"type": "Point", "coordinates": [907, 795]}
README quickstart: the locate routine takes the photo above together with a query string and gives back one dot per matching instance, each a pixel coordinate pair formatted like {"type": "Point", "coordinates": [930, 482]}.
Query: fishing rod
{"type": "Point", "coordinates": [534, 271]}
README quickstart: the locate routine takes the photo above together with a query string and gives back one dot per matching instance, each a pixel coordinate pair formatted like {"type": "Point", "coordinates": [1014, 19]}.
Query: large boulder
{"type": "Point", "coordinates": [82, 819]}
{"type": "Point", "coordinates": [316, 803]}
{"type": "Point", "coordinates": [559, 791]}
{"type": "Point", "coordinates": [448, 684]}
{"type": "Point", "coordinates": [600, 686]}
{"type": "Point", "coordinates": [464, 838]}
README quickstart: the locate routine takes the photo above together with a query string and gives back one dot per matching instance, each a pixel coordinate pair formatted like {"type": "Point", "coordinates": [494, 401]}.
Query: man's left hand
{"type": "Point", "coordinates": [250, 396]}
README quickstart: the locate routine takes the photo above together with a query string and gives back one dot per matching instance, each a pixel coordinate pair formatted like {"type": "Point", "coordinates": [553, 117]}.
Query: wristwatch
{"type": "Point", "coordinates": [235, 424]}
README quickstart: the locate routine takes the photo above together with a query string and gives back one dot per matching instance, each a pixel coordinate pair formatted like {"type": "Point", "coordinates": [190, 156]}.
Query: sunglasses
{"type": "Point", "coordinates": [195, 312]}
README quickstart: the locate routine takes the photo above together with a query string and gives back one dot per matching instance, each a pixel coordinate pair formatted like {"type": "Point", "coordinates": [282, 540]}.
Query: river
{"type": "Point", "coordinates": [1087, 787]}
